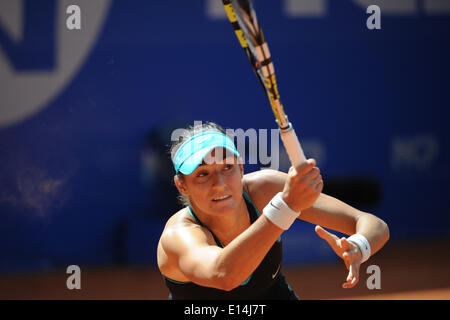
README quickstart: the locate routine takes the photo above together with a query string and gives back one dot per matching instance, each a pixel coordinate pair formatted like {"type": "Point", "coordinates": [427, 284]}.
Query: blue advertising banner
{"type": "Point", "coordinates": [91, 92]}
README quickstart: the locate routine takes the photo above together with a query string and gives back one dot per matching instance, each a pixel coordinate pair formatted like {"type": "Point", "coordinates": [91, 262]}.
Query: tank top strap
{"type": "Point", "coordinates": [253, 211]}
{"type": "Point", "coordinates": [191, 212]}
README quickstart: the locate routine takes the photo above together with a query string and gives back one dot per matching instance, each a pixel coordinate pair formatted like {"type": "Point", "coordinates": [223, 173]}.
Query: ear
{"type": "Point", "coordinates": [181, 185]}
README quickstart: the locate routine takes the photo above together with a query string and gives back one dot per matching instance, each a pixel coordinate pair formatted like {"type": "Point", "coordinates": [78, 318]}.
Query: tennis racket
{"type": "Point", "coordinates": [250, 36]}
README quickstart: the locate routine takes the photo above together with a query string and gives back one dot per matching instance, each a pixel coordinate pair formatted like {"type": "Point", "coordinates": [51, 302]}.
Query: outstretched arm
{"type": "Point", "coordinates": [334, 214]}
{"type": "Point", "coordinates": [200, 260]}
{"type": "Point", "coordinates": [331, 213]}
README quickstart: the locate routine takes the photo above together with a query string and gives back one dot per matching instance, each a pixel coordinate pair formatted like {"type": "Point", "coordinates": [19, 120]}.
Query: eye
{"type": "Point", "coordinates": [202, 173]}
{"type": "Point", "coordinates": [228, 167]}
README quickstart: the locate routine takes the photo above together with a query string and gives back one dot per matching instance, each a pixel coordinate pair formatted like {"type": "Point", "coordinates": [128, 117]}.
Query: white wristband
{"type": "Point", "coordinates": [363, 245]}
{"type": "Point", "coordinates": [279, 212]}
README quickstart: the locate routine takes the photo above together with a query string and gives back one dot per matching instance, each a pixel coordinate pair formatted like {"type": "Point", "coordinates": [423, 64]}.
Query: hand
{"type": "Point", "coordinates": [348, 251]}
{"type": "Point", "coordinates": [303, 186]}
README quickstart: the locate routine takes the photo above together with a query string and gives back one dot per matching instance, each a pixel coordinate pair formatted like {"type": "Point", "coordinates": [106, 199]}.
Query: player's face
{"type": "Point", "coordinates": [215, 187]}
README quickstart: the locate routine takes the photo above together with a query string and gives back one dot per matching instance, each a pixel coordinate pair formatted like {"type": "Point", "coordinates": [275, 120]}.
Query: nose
{"type": "Point", "coordinates": [218, 179]}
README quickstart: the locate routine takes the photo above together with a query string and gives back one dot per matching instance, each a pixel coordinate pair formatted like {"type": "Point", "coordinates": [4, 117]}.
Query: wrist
{"type": "Point", "coordinates": [363, 245]}
{"type": "Point", "coordinates": [279, 213]}
{"type": "Point", "coordinates": [288, 202]}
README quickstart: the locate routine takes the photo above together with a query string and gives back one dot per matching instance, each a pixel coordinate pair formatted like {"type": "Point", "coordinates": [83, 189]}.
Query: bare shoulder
{"type": "Point", "coordinates": [180, 230]}
{"type": "Point", "coordinates": [180, 233]}
{"type": "Point", "coordinates": [266, 181]}
{"type": "Point", "coordinates": [263, 185]}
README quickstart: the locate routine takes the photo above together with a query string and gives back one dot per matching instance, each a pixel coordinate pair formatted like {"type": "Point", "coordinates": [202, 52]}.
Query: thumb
{"type": "Point", "coordinates": [328, 237]}
{"type": "Point", "coordinates": [320, 231]}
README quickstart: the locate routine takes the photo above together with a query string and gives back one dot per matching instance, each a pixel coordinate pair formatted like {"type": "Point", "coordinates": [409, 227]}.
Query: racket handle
{"type": "Point", "coordinates": [292, 145]}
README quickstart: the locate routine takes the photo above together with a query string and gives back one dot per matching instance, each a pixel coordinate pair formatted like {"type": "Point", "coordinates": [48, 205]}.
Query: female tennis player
{"type": "Point", "coordinates": [225, 244]}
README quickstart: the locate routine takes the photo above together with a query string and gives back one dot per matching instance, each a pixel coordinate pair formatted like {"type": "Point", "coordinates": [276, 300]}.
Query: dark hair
{"type": "Point", "coordinates": [190, 131]}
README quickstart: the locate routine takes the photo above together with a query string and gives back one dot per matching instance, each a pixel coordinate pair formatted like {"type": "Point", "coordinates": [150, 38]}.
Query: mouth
{"type": "Point", "coordinates": [223, 198]}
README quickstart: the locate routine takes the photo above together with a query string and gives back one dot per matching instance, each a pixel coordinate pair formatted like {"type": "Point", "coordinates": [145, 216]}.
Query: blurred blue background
{"type": "Point", "coordinates": [86, 115]}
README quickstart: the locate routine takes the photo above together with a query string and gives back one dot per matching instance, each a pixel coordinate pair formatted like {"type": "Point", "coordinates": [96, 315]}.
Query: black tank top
{"type": "Point", "coordinates": [266, 282]}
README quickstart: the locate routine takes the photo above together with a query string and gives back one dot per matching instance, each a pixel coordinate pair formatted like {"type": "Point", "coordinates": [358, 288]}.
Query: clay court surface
{"type": "Point", "coordinates": [417, 270]}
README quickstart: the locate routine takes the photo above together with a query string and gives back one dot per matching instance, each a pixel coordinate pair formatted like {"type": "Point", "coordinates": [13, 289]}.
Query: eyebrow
{"type": "Point", "coordinates": [225, 156]}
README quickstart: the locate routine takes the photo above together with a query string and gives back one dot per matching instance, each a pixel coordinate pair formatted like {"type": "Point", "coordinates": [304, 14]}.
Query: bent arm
{"type": "Point", "coordinates": [334, 214]}
{"type": "Point", "coordinates": [326, 211]}
{"type": "Point", "coordinates": [204, 263]}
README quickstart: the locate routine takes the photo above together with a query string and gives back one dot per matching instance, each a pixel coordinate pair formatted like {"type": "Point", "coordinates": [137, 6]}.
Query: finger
{"type": "Point", "coordinates": [347, 285]}
{"type": "Point", "coordinates": [312, 178]}
{"type": "Point", "coordinates": [315, 184]}
{"type": "Point", "coordinates": [340, 243]}
{"type": "Point", "coordinates": [345, 244]}
{"type": "Point", "coordinates": [308, 179]}
{"type": "Point", "coordinates": [350, 283]}
{"type": "Point", "coordinates": [306, 166]}
{"type": "Point", "coordinates": [349, 257]}
{"type": "Point", "coordinates": [347, 260]}
{"type": "Point", "coordinates": [312, 175]}
{"type": "Point", "coordinates": [350, 275]}
{"type": "Point", "coordinates": [353, 251]}
{"type": "Point", "coordinates": [319, 187]}
{"type": "Point", "coordinates": [327, 236]}
{"type": "Point", "coordinates": [351, 254]}
{"type": "Point", "coordinates": [318, 178]}
{"type": "Point", "coordinates": [346, 256]}
{"type": "Point", "coordinates": [354, 281]}
{"type": "Point", "coordinates": [312, 161]}
{"type": "Point", "coordinates": [353, 276]}
{"type": "Point", "coordinates": [356, 265]}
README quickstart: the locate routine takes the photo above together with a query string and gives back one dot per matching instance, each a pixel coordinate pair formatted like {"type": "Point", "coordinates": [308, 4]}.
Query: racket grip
{"type": "Point", "coordinates": [292, 145]}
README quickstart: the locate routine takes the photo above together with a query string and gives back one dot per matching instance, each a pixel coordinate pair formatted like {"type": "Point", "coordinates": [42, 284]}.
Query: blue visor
{"type": "Point", "coordinates": [192, 152]}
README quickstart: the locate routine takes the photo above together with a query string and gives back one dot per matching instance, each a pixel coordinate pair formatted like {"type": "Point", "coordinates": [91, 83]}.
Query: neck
{"type": "Point", "coordinates": [229, 226]}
